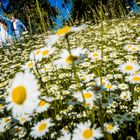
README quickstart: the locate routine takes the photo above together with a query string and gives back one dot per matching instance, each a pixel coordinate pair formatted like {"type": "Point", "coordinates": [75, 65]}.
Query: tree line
{"type": "Point", "coordinates": [37, 14]}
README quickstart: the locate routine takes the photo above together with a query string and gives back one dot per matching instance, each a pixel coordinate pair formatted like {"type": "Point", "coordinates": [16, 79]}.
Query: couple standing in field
{"type": "Point", "coordinates": [5, 37]}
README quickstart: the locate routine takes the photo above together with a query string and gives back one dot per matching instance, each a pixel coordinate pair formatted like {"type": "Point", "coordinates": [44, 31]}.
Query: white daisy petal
{"type": "Point", "coordinates": [23, 94]}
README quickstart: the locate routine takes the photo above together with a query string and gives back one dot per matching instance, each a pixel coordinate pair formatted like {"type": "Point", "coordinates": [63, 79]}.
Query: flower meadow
{"type": "Point", "coordinates": [76, 83]}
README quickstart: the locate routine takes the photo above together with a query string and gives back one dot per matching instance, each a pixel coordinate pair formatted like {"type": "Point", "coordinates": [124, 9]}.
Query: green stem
{"type": "Point", "coordinates": [74, 69]}
{"type": "Point", "coordinates": [39, 75]}
{"type": "Point", "coordinates": [101, 114]}
{"type": "Point", "coordinates": [41, 17]}
{"type": "Point", "coordinates": [102, 31]}
{"type": "Point", "coordinates": [77, 77]}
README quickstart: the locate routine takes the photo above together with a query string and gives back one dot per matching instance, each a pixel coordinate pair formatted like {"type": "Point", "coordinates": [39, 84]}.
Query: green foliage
{"type": "Point", "coordinates": [37, 16]}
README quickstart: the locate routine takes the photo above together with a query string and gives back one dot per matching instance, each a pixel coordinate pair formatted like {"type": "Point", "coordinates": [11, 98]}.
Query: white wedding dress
{"type": "Point", "coordinates": [3, 34]}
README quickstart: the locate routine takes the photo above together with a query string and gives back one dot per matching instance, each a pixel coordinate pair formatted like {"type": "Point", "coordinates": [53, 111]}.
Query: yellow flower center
{"type": "Point", "coordinates": [16, 65]}
{"type": "Point", "coordinates": [37, 52]}
{"type": "Point", "coordinates": [63, 31]}
{"type": "Point", "coordinates": [84, 78]}
{"type": "Point", "coordinates": [129, 47]}
{"type": "Point", "coordinates": [133, 49]}
{"type": "Point", "coordinates": [123, 86]}
{"type": "Point", "coordinates": [22, 119]}
{"type": "Point", "coordinates": [125, 97]}
{"type": "Point", "coordinates": [2, 84]}
{"type": "Point", "coordinates": [45, 78]}
{"type": "Point", "coordinates": [69, 59]}
{"type": "Point", "coordinates": [136, 78]}
{"type": "Point", "coordinates": [129, 67]}
{"type": "Point", "coordinates": [6, 120]}
{"type": "Point", "coordinates": [86, 104]}
{"type": "Point", "coordinates": [46, 68]}
{"type": "Point", "coordinates": [42, 126]}
{"type": "Point", "coordinates": [109, 86]}
{"type": "Point", "coordinates": [87, 95]}
{"type": "Point", "coordinates": [42, 103]}
{"type": "Point", "coordinates": [109, 126]}
{"type": "Point", "coordinates": [30, 64]}
{"type": "Point", "coordinates": [94, 107]}
{"type": "Point", "coordinates": [103, 82]}
{"type": "Point", "coordinates": [1, 106]}
{"type": "Point", "coordinates": [88, 133]}
{"type": "Point", "coordinates": [19, 95]}
{"type": "Point", "coordinates": [66, 128]}
{"type": "Point", "coordinates": [95, 54]}
{"type": "Point", "coordinates": [45, 52]}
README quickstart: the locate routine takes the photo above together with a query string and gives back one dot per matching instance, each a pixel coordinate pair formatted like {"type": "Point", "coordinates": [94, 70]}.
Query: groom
{"type": "Point", "coordinates": [16, 25]}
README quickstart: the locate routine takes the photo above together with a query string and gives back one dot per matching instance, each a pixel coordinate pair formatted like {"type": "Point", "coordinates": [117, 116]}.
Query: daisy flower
{"type": "Point", "coordinates": [66, 136]}
{"type": "Point", "coordinates": [117, 76]}
{"type": "Point", "coordinates": [134, 79]}
{"type": "Point", "coordinates": [98, 81]}
{"type": "Point", "coordinates": [41, 128]}
{"type": "Point", "coordinates": [128, 47]}
{"type": "Point", "coordinates": [73, 101]}
{"type": "Point", "coordinates": [110, 87]}
{"type": "Point", "coordinates": [29, 65]}
{"type": "Point", "coordinates": [123, 86]}
{"type": "Point", "coordinates": [130, 138]}
{"type": "Point", "coordinates": [131, 48]}
{"type": "Point", "coordinates": [136, 107]}
{"type": "Point", "coordinates": [129, 67]}
{"type": "Point", "coordinates": [138, 39]}
{"type": "Point", "coordinates": [118, 118]}
{"type": "Point", "coordinates": [113, 55]}
{"type": "Point", "coordinates": [46, 68]}
{"type": "Point", "coordinates": [36, 54]}
{"type": "Point", "coordinates": [128, 117]}
{"type": "Point", "coordinates": [118, 61]}
{"type": "Point", "coordinates": [23, 94]}
{"type": "Point", "coordinates": [135, 49]}
{"type": "Point", "coordinates": [23, 119]}
{"type": "Point", "coordinates": [125, 95]}
{"type": "Point", "coordinates": [85, 132]}
{"type": "Point", "coordinates": [52, 39]}
{"type": "Point", "coordinates": [41, 53]}
{"type": "Point", "coordinates": [42, 106]}
{"type": "Point", "coordinates": [111, 128]}
{"type": "Point", "coordinates": [46, 51]}
{"type": "Point", "coordinates": [86, 77]}
{"type": "Point", "coordinates": [46, 78]}
{"type": "Point", "coordinates": [4, 124]}
{"type": "Point", "coordinates": [96, 55]}
{"type": "Point", "coordinates": [109, 76]}
{"type": "Point", "coordinates": [18, 131]}
{"type": "Point", "coordinates": [65, 130]}
{"type": "Point", "coordinates": [67, 59]}
{"type": "Point", "coordinates": [1, 107]}
{"type": "Point", "coordinates": [78, 28]}
{"type": "Point", "coordinates": [2, 128]}
{"type": "Point", "coordinates": [2, 84]}
{"type": "Point", "coordinates": [88, 95]}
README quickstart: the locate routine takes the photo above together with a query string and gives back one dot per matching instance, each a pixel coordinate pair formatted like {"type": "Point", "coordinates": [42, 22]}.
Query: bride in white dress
{"type": "Point", "coordinates": [4, 37]}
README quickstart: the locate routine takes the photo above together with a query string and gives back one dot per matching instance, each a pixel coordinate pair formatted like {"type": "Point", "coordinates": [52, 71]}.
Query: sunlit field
{"type": "Point", "coordinates": [76, 83]}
